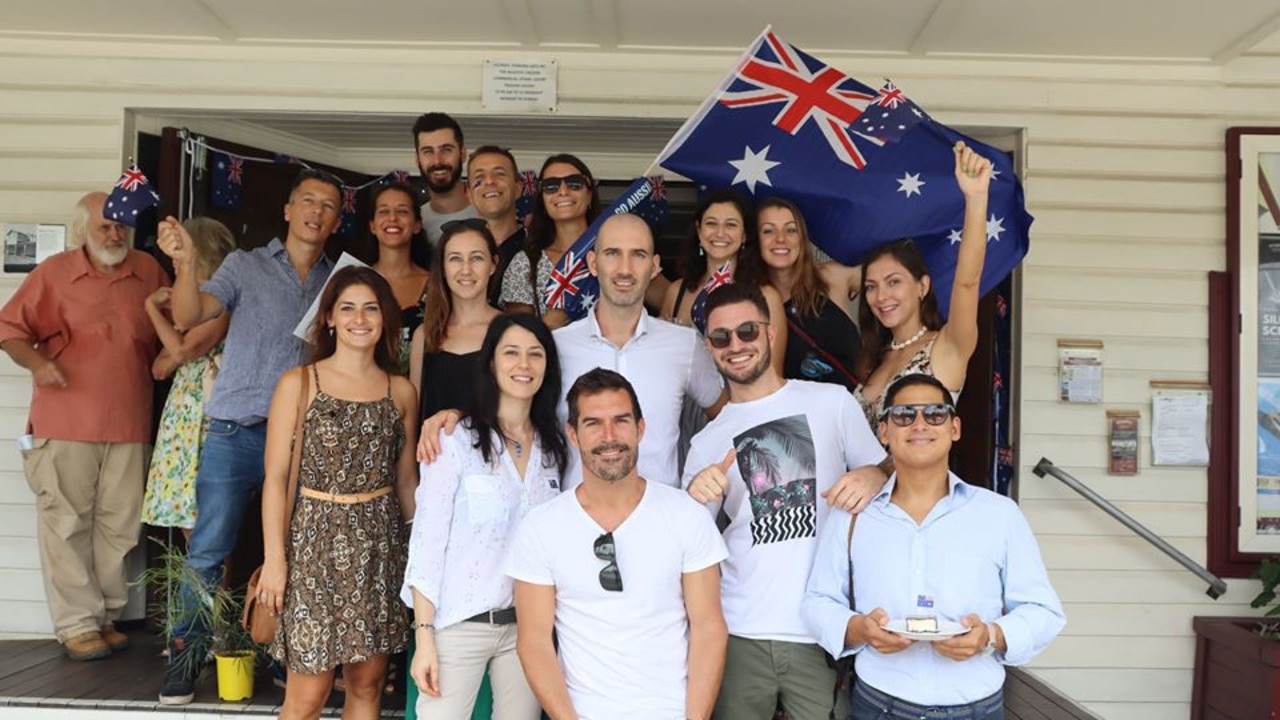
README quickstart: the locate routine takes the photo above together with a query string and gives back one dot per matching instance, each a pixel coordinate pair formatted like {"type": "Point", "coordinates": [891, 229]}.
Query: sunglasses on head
{"type": "Point", "coordinates": [747, 332]}
{"type": "Point", "coordinates": [610, 575]}
{"type": "Point", "coordinates": [475, 224]}
{"type": "Point", "coordinates": [551, 185]}
{"type": "Point", "coordinates": [905, 415]}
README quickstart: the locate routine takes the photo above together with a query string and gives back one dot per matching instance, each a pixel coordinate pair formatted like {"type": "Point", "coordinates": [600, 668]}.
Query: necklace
{"type": "Point", "coordinates": [517, 446]}
{"type": "Point", "coordinates": [910, 341]}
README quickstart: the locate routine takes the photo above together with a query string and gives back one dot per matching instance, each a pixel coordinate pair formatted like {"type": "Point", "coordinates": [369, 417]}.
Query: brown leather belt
{"type": "Point", "coordinates": [345, 498]}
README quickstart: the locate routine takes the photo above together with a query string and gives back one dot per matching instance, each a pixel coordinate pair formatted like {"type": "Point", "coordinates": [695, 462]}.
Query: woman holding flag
{"type": "Point", "coordinates": [903, 332]}
{"type": "Point", "coordinates": [570, 202]}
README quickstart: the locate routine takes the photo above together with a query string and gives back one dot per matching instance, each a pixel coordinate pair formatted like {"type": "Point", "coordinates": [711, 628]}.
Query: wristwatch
{"type": "Point", "coordinates": [991, 646]}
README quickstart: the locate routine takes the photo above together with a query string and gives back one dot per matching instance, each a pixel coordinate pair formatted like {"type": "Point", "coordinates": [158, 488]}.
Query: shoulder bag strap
{"type": "Point", "coordinates": [295, 460]}
{"type": "Point", "coordinates": [817, 349]}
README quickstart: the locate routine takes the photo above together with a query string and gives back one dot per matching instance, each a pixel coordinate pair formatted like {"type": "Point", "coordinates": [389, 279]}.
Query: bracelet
{"type": "Point", "coordinates": [425, 626]}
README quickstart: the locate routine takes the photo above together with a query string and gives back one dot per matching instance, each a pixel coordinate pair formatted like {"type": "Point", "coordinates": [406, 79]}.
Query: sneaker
{"type": "Point", "coordinates": [114, 639]}
{"type": "Point", "coordinates": [180, 675]}
{"type": "Point", "coordinates": [86, 646]}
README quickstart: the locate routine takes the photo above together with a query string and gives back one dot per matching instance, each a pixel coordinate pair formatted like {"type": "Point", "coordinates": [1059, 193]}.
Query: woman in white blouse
{"type": "Point", "coordinates": [507, 457]}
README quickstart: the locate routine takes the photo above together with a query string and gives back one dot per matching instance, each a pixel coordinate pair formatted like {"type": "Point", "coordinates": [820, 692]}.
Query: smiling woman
{"type": "Point", "coordinates": [396, 220]}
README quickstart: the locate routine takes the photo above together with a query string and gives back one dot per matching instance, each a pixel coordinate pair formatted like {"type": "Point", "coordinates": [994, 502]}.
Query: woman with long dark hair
{"type": "Point", "coordinates": [902, 330]}
{"type": "Point", "coordinates": [507, 456]}
{"type": "Point", "coordinates": [822, 339]}
{"type": "Point", "coordinates": [446, 347]}
{"type": "Point", "coordinates": [396, 221]}
{"type": "Point", "coordinates": [570, 203]}
{"type": "Point", "coordinates": [333, 564]}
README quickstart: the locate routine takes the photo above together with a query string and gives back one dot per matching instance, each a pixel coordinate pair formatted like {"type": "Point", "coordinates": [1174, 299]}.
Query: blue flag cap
{"type": "Point", "coordinates": [131, 195]}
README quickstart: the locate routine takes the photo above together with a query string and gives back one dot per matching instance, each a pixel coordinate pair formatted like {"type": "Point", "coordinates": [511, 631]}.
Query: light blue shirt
{"type": "Point", "coordinates": [974, 553]}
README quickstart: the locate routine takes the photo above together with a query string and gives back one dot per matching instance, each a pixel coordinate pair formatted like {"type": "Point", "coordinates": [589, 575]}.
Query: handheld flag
{"type": "Point", "coordinates": [226, 181]}
{"type": "Point", "coordinates": [866, 167]}
{"type": "Point", "coordinates": [132, 195]}
{"type": "Point", "coordinates": [572, 287]}
{"type": "Point", "coordinates": [722, 275]}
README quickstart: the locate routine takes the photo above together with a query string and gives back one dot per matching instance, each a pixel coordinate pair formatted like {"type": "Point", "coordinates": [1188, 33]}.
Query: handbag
{"type": "Point", "coordinates": [260, 621]}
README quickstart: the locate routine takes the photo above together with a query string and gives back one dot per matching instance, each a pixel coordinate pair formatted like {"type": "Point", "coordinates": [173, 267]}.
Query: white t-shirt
{"type": "Point", "coordinates": [466, 517]}
{"type": "Point", "coordinates": [663, 362]}
{"type": "Point", "coordinates": [432, 220]}
{"type": "Point", "coordinates": [792, 445]}
{"type": "Point", "coordinates": [625, 654]}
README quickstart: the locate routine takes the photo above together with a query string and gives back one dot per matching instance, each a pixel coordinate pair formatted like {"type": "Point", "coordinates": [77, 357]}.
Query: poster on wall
{"type": "Point", "coordinates": [1269, 455]}
{"type": "Point", "coordinates": [1123, 439]}
{"type": "Point", "coordinates": [1080, 371]}
{"type": "Point", "coordinates": [27, 245]}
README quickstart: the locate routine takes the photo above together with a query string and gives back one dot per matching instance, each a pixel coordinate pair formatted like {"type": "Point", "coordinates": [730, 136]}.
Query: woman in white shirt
{"type": "Point", "coordinates": [507, 457]}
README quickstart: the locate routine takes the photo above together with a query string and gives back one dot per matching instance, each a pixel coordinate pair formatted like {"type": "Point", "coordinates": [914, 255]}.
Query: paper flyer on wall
{"type": "Point", "coordinates": [303, 329]}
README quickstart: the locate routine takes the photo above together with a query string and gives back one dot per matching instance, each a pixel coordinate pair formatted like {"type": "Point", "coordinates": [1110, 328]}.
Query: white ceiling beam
{"type": "Point", "coordinates": [937, 27]}
{"type": "Point", "coordinates": [604, 23]}
{"type": "Point", "coordinates": [1244, 43]}
{"type": "Point", "coordinates": [520, 16]}
{"type": "Point", "coordinates": [222, 29]}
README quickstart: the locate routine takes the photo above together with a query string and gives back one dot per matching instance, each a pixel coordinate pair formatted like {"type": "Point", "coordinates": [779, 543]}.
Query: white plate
{"type": "Point", "coordinates": [946, 629]}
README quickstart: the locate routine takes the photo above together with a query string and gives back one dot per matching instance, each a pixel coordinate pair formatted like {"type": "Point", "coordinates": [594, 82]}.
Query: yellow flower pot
{"type": "Point", "coordinates": [235, 675]}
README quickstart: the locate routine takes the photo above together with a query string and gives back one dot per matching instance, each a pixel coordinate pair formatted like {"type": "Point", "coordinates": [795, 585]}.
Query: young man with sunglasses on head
{"type": "Point", "coordinates": [625, 571]}
{"type": "Point", "coordinates": [948, 584]}
{"type": "Point", "coordinates": [779, 455]}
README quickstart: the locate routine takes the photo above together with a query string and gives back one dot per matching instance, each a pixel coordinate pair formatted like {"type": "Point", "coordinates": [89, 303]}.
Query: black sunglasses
{"type": "Point", "coordinates": [905, 415]}
{"type": "Point", "coordinates": [610, 575]}
{"type": "Point", "coordinates": [453, 226]}
{"type": "Point", "coordinates": [747, 332]}
{"type": "Point", "coordinates": [551, 185]}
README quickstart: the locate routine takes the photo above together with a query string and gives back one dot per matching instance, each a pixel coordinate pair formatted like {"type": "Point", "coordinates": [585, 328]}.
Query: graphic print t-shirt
{"type": "Point", "coordinates": [792, 446]}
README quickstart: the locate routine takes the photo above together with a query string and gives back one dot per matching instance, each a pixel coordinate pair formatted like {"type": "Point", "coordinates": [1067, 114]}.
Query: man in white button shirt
{"type": "Point", "coordinates": [959, 561]}
{"type": "Point", "coordinates": [662, 360]}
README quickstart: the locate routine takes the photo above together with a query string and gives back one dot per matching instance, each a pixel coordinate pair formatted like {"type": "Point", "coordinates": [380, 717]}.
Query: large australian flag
{"type": "Point", "coordinates": [572, 287]}
{"type": "Point", "coordinates": [866, 167]}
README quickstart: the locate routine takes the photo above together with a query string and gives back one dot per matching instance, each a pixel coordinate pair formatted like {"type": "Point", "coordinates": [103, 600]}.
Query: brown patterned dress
{"type": "Point", "coordinates": [346, 562]}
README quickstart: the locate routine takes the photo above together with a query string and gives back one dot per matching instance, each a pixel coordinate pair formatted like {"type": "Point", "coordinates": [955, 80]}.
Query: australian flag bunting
{"type": "Point", "coordinates": [131, 195]}
{"type": "Point", "coordinates": [572, 287]}
{"type": "Point", "coordinates": [528, 195]}
{"type": "Point", "coordinates": [227, 180]}
{"type": "Point", "coordinates": [349, 210]}
{"type": "Point", "coordinates": [865, 166]}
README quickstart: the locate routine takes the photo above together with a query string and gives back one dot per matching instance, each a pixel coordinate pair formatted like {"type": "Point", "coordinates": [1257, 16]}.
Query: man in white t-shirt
{"type": "Point", "coordinates": [439, 150]}
{"type": "Point", "coordinates": [779, 455]}
{"type": "Point", "coordinates": [625, 571]}
{"type": "Point", "coordinates": [662, 360]}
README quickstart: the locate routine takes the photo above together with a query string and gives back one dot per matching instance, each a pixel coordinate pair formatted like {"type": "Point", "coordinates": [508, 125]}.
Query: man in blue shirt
{"type": "Point", "coordinates": [267, 291]}
{"type": "Point", "coordinates": [959, 561]}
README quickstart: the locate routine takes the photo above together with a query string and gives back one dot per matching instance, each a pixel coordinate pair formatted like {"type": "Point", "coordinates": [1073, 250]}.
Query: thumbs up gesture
{"type": "Point", "coordinates": [713, 482]}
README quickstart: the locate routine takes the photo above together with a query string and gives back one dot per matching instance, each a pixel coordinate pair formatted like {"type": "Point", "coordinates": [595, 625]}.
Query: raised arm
{"type": "Point", "coordinates": [959, 336]}
{"type": "Point", "coordinates": [189, 306]}
{"type": "Point", "coordinates": [536, 614]}
{"type": "Point", "coordinates": [708, 641]}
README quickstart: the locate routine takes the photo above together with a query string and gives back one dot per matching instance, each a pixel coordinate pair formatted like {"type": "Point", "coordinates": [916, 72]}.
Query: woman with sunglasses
{"type": "Point", "coordinates": [446, 347]}
{"type": "Point", "coordinates": [821, 337]}
{"type": "Point", "coordinates": [396, 221]}
{"type": "Point", "coordinates": [570, 203]}
{"type": "Point", "coordinates": [505, 458]}
{"type": "Point", "coordinates": [903, 332]}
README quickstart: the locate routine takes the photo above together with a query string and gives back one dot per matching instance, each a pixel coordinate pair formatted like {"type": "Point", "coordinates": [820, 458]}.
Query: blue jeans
{"type": "Point", "coordinates": [863, 709]}
{"type": "Point", "coordinates": [230, 473]}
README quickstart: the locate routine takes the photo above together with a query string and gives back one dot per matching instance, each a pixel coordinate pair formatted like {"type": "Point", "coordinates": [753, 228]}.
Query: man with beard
{"type": "Point", "coordinates": [438, 146]}
{"type": "Point", "coordinates": [663, 361]}
{"type": "Point", "coordinates": [779, 455]}
{"type": "Point", "coordinates": [625, 572]}
{"type": "Point", "coordinates": [267, 291]}
{"type": "Point", "coordinates": [77, 323]}
{"type": "Point", "coordinates": [491, 170]}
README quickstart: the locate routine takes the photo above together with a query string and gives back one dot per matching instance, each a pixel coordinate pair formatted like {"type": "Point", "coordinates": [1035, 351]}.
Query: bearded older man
{"type": "Point", "coordinates": [77, 323]}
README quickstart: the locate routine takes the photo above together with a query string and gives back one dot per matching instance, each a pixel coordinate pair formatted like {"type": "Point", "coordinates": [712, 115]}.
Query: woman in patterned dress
{"type": "Point", "coordinates": [333, 567]}
{"type": "Point", "coordinates": [506, 457]}
{"type": "Point", "coordinates": [170, 499]}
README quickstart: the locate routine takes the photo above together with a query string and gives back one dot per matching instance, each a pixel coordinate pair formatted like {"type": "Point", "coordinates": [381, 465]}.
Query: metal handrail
{"type": "Point", "coordinates": [1217, 586]}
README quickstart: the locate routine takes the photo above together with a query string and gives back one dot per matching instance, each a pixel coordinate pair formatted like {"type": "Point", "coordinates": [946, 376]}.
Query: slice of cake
{"type": "Point", "coordinates": [922, 624]}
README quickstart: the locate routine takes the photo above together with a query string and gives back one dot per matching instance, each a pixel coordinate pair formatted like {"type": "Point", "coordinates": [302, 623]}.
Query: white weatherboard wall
{"type": "Point", "coordinates": [1124, 175]}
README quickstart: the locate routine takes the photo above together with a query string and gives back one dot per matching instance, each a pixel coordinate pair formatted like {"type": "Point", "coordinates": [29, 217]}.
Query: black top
{"type": "Point", "coordinates": [507, 250]}
{"type": "Point", "coordinates": [447, 381]}
{"type": "Point", "coordinates": [822, 348]}
{"type": "Point", "coordinates": [410, 319]}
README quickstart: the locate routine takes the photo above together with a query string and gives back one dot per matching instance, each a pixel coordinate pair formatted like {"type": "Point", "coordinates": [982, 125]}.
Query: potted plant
{"type": "Point", "coordinates": [219, 609]}
{"type": "Point", "coordinates": [1237, 668]}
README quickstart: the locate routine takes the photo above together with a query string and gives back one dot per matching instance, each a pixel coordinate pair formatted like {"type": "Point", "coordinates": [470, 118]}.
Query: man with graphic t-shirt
{"type": "Point", "coordinates": [625, 570]}
{"type": "Point", "coordinates": [775, 460]}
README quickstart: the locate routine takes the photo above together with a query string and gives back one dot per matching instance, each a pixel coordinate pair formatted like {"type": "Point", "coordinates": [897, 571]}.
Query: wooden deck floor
{"type": "Point", "coordinates": [35, 673]}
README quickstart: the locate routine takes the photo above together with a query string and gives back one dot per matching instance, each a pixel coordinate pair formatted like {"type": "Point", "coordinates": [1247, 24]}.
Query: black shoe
{"type": "Point", "coordinates": [180, 676]}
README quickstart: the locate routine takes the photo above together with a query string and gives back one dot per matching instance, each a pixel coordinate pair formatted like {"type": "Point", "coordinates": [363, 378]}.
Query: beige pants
{"type": "Point", "coordinates": [88, 508]}
{"type": "Point", "coordinates": [465, 649]}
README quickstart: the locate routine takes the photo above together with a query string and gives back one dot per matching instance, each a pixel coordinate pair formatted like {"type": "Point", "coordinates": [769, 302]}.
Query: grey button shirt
{"type": "Point", "coordinates": [266, 300]}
